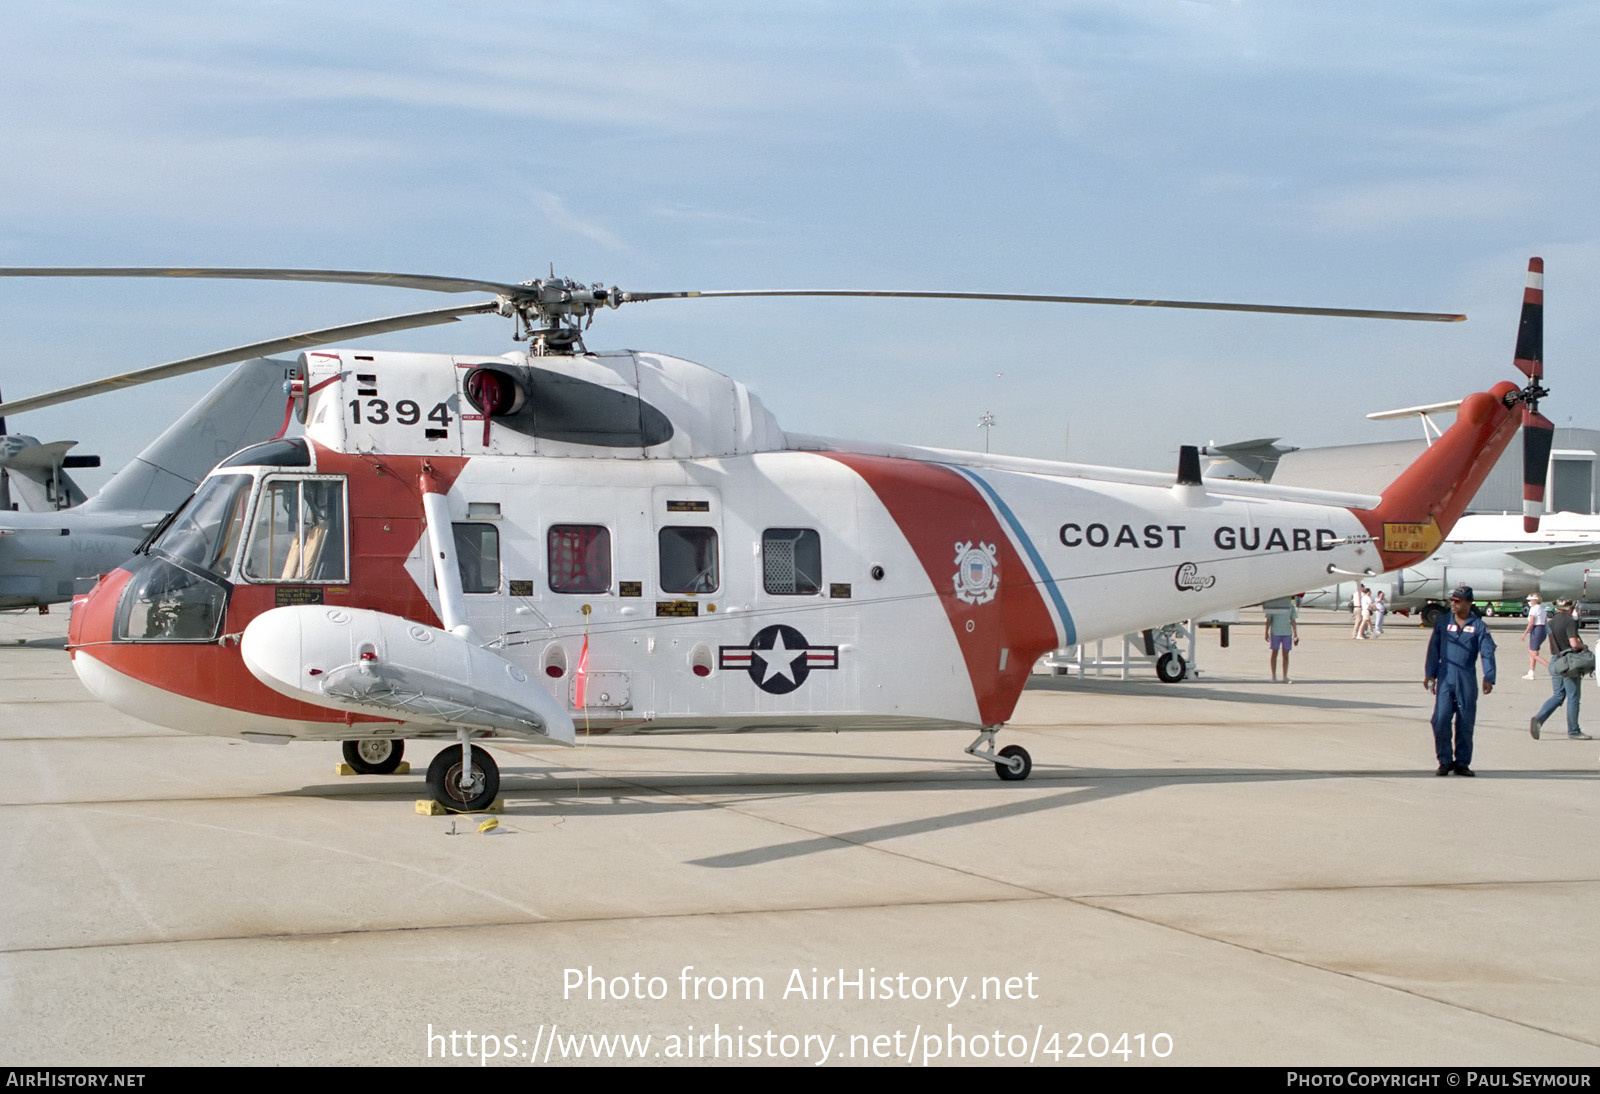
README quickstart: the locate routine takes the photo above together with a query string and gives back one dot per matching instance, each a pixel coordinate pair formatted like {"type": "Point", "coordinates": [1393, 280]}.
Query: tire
{"type": "Point", "coordinates": [1011, 754]}
{"type": "Point", "coordinates": [1430, 614]}
{"type": "Point", "coordinates": [1170, 668]}
{"type": "Point", "coordinates": [444, 780]}
{"type": "Point", "coordinates": [376, 757]}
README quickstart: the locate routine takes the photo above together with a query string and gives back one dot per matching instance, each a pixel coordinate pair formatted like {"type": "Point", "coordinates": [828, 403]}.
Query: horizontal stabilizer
{"type": "Point", "coordinates": [39, 457]}
{"type": "Point", "coordinates": [1423, 411]}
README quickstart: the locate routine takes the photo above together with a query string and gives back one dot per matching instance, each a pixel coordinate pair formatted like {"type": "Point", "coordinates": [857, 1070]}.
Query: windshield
{"type": "Point", "coordinates": [207, 531]}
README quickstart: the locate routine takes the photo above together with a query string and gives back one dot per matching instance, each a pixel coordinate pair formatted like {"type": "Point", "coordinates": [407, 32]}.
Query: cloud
{"type": "Point", "coordinates": [557, 213]}
{"type": "Point", "coordinates": [1380, 206]}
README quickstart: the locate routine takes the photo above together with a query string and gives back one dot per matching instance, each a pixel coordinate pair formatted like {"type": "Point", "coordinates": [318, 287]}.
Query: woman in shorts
{"type": "Point", "coordinates": [1537, 629]}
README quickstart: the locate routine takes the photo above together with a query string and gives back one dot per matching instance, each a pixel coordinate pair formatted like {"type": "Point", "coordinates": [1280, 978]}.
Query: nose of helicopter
{"type": "Point", "coordinates": [93, 615]}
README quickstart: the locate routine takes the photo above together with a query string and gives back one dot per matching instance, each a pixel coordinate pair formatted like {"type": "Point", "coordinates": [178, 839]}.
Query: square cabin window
{"type": "Point", "coordinates": [299, 532]}
{"type": "Point", "coordinates": [579, 558]}
{"type": "Point", "coordinates": [689, 560]}
{"type": "Point", "coordinates": [791, 561]}
{"type": "Point", "coordinates": [478, 557]}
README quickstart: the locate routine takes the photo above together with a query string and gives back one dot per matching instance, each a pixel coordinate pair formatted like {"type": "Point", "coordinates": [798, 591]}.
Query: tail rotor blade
{"type": "Point", "coordinates": [1530, 335]}
{"type": "Point", "coordinates": [1538, 436]}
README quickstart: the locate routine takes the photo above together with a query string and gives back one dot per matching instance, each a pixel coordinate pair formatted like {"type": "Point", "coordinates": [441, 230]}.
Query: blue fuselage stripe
{"type": "Point", "coordinates": [1068, 630]}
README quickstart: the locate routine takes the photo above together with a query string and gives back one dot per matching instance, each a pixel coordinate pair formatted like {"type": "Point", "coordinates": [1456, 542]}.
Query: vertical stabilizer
{"type": "Point", "coordinates": [246, 407]}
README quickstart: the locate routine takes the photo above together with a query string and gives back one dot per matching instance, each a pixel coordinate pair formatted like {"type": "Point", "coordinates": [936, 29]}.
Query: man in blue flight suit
{"type": "Point", "coordinates": [1459, 639]}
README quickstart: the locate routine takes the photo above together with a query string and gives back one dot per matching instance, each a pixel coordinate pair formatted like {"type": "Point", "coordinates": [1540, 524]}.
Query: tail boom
{"type": "Point", "coordinates": [1423, 504]}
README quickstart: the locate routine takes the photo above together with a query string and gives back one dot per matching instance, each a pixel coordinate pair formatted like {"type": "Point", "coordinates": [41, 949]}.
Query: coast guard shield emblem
{"type": "Point", "coordinates": [977, 572]}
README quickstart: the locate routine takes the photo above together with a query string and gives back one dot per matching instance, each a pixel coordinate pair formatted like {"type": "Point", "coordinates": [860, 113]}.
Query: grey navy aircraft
{"type": "Point", "coordinates": [46, 557]}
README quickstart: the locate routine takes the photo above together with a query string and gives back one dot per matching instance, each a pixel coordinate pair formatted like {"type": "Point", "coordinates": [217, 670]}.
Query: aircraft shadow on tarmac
{"type": "Point", "coordinates": [648, 794]}
{"type": "Point", "coordinates": [1290, 696]}
{"type": "Point", "coordinates": [1097, 788]}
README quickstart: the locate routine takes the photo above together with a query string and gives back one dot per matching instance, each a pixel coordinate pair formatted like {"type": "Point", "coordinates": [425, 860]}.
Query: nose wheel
{"type": "Point", "coordinates": [1012, 763]}
{"type": "Point", "coordinates": [463, 790]}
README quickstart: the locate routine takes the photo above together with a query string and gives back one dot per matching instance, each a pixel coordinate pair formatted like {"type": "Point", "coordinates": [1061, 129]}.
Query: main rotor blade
{"type": "Point", "coordinates": [1271, 309]}
{"type": "Point", "coordinates": [525, 293]}
{"type": "Point", "coordinates": [338, 277]}
{"type": "Point", "coordinates": [244, 353]}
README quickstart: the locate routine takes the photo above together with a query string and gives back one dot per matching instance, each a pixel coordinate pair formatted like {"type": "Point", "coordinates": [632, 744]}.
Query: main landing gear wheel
{"type": "Point", "coordinates": [1014, 764]}
{"type": "Point", "coordinates": [374, 757]}
{"type": "Point", "coordinates": [476, 792]}
{"type": "Point", "coordinates": [1170, 668]}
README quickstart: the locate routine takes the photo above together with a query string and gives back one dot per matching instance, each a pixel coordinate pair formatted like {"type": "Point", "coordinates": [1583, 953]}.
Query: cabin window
{"type": "Point", "coordinates": [579, 558]}
{"type": "Point", "coordinates": [299, 532]}
{"type": "Point", "coordinates": [791, 561]}
{"type": "Point", "coordinates": [478, 557]}
{"type": "Point", "coordinates": [689, 560]}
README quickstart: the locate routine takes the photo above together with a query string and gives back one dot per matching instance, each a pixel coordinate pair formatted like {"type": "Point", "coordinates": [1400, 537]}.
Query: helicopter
{"type": "Point", "coordinates": [476, 547]}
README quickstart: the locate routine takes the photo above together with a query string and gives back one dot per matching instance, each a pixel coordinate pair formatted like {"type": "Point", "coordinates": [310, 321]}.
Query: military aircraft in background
{"type": "Point", "coordinates": [1491, 553]}
{"type": "Point", "coordinates": [33, 474]}
{"type": "Point", "coordinates": [46, 556]}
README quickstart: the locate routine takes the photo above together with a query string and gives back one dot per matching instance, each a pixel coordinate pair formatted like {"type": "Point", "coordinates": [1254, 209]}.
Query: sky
{"type": "Point", "coordinates": [1345, 154]}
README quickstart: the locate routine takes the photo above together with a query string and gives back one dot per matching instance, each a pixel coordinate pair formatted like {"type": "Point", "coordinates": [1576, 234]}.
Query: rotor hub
{"type": "Point", "coordinates": [553, 312]}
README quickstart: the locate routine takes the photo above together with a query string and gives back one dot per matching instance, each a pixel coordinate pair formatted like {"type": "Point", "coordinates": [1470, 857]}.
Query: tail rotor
{"type": "Point", "coordinates": [1538, 432]}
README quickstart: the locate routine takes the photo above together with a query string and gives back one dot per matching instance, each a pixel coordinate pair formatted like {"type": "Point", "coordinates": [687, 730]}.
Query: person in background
{"type": "Point", "coordinates": [1283, 632]}
{"type": "Point", "coordinates": [1361, 608]}
{"type": "Point", "coordinates": [1380, 608]}
{"type": "Point", "coordinates": [1564, 689]}
{"type": "Point", "coordinates": [1459, 640]}
{"type": "Point", "coordinates": [1535, 632]}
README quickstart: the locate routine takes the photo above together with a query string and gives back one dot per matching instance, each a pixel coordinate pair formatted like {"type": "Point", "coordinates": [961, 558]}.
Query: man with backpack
{"type": "Point", "coordinates": [1566, 672]}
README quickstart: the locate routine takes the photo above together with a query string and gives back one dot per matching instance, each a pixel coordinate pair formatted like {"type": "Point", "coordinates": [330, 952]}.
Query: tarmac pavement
{"type": "Point", "coordinates": [1220, 871]}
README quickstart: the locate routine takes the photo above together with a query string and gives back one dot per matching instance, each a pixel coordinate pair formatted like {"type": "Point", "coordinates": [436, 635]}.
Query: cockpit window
{"type": "Point", "coordinates": [299, 532]}
{"type": "Point", "coordinates": [206, 532]}
{"type": "Point", "coordinates": [291, 452]}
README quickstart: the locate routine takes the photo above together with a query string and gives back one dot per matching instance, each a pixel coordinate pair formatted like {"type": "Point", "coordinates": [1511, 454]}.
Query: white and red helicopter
{"type": "Point", "coordinates": [481, 547]}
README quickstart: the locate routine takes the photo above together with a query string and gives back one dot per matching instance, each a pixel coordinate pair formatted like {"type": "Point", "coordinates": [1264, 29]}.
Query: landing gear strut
{"type": "Point", "coordinates": [1012, 763]}
{"type": "Point", "coordinates": [464, 788]}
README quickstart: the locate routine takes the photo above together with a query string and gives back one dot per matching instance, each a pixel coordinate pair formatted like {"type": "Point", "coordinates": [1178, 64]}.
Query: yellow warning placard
{"type": "Point", "coordinates": [1412, 538]}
